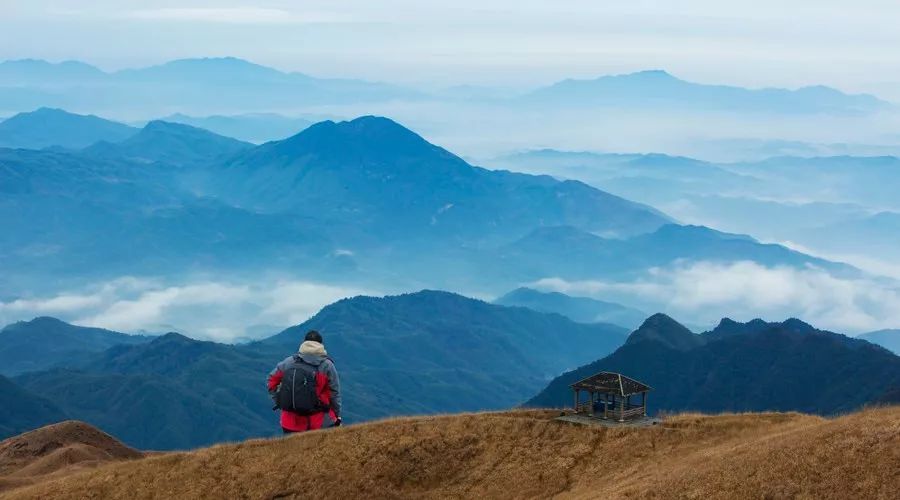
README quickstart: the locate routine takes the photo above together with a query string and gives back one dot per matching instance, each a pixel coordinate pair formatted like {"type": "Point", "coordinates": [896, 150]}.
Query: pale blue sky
{"type": "Point", "coordinates": [848, 44]}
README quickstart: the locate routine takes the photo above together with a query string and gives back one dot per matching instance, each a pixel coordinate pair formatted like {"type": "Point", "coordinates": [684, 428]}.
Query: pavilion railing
{"type": "Point", "coordinates": [613, 412]}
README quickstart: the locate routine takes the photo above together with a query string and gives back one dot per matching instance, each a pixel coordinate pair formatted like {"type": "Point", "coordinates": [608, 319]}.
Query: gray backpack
{"type": "Point", "coordinates": [297, 392]}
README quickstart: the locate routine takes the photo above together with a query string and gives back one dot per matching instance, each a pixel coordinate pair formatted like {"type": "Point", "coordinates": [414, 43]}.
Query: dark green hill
{"type": "Point", "coordinates": [22, 411]}
{"type": "Point", "coordinates": [780, 366]}
{"type": "Point", "coordinates": [436, 351]}
{"type": "Point", "coordinates": [47, 127]}
{"type": "Point", "coordinates": [173, 392]}
{"type": "Point", "coordinates": [580, 309]}
{"type": "Point", "coordinates": [664, 330]}
{"type": "Point", "coordinates": [428, 352]}
{"type": "Point", "coordinates": [45, 342]}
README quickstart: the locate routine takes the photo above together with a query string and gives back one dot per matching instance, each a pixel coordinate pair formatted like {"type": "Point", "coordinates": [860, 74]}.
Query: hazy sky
{"type": "Point", "coordinates": [848, 44]}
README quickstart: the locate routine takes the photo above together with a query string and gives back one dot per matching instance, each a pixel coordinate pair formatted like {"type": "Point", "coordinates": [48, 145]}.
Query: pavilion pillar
{"type": "Point", "coordinates": [576, 400]}
{"type": "Point", "coordinates": [605, 405]}
{"type": "Point", "coordinates": [644, 402]}
{"type": "Point", "coordinates": [622, 410]}
{"type": "Point", "coordinates": [591, 408]}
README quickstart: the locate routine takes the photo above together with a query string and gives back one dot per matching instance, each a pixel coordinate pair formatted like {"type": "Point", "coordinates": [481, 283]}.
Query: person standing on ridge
{"type": "Point", "coordinates": [306, 388]}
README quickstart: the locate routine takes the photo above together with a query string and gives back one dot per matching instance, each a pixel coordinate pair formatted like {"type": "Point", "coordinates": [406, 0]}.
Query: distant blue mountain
{"type": "Point", "coordinates": [376, 174]}
{"type": "Point", "coordinates": [365, 199]}
{"type": "Point", "coordinates": [648, 178]}
{"type": "Point", "coordinates": [45, 342]}
{"type": "Point", "coordinates": [252, 127]}
{"type": "Point", "coordinates": [889, 339]}
{"type": "Point", "coordinates": [203, 85]}
{"type": "Point", "coordinates": [47, 127]}
{"type": "Point", "coordinates": [574, 254]}
{"type": "Point", "coordinates": [580, 309]}
{"type": "Point", "coordinates": [659, 89]}
{"type": "Point", "coordinates": [172, 143]}
{"type": "Point", "coordinates": [806, 201]}
{"type": "Point", "coordinates": [210, 70]}
{"type": "Point", "coordinates": [58, 206]}
{"type": "Point", "coordinates": [36, 71]}
{"type": "Point", "coordinates": [868, 181]}
{"type": "Point", "coordinates": [871, 234]}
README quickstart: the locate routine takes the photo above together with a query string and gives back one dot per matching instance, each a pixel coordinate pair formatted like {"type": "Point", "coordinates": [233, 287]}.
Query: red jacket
{"type": "Point", "coordinates": [327, 388]}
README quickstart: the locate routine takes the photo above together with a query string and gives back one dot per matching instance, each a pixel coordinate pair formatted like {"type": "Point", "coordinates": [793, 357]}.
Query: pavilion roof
{"type": "Point", "coordinates": [611, 383]}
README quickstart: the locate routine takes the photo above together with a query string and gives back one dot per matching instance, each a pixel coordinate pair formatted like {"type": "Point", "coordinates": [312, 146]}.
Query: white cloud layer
{"type": "Point", "coordinates": [229, 15]}
{"type": "Point", "coordinates": [760, 43]}
{"type": "Point", "coordinates": [702, 293]}
{"type": "Point", "coordinates": [222, 311]}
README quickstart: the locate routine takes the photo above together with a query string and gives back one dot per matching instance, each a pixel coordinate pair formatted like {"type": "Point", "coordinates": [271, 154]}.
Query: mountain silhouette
{"type": "Point", "coordinates": [224, 85]}
{"type": "Point", "coordinates": [659, 89]}
{"type": "Point", "coordinates": [744, 367]}
{"type": "Point", "coordinates": [575, 254]}
{"type": "Point", "coordinates": [47, 127]}
{"type": "Point", "coordinates": [172, 143]}
{"type": "Point", "coordinates": [580, 309]}
{"type": "Point", "coordinates": [889, 339]}
{"type": "Point", "coordinates": [375, 174]}
{"type": "Point", "coordinates": [38, 71]}
{"type": "Point", "coordinates": [45, 342]}
{"type": "Point", "coordinates": [251, 127]}
{"type": "Point", "coordinates": [664, 330]}
{"type": "Point", "coordinates": [422, 353]}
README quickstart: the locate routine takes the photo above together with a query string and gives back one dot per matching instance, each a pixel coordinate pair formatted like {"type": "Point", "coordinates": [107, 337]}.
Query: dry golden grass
{"type": "Point", "coordinates": [57, 450]}
{"type": "Point", "coordinates": [527, 455]}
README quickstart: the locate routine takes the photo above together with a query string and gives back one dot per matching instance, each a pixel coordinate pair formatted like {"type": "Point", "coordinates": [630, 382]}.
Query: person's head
{"type": "Point", "coordinates": [313, 336]}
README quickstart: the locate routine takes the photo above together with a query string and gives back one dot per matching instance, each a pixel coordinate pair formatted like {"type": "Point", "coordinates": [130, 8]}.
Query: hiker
{"type": "Point", "coordinates": [306, 388]}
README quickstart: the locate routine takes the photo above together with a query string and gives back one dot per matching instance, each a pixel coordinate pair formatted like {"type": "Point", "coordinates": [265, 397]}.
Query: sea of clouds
{"type": "Point", "coordinates": [696, 293]}
{"type": "Point", "coordinates": [701, 293]}
{"type": "Point", "coordinates": [220, 310]}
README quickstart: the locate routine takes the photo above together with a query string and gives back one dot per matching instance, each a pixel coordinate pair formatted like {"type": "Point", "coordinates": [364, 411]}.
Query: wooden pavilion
{"type": "Point", "coordinates": [616, 391]}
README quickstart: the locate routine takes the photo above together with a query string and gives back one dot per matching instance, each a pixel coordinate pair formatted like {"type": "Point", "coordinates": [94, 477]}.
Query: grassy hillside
{"type": "Point", "coordinates": [57, 450]}
{"type": "Point", "coordinates": [527, 455]}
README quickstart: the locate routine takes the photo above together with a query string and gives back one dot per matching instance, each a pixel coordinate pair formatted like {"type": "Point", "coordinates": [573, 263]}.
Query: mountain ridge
{"type": "Point", "coordinates": [45, 127]}
{"type": "Point", "coordinates": [750, 367]}
{"type": "Point", "coordinates": [44, 342]}
{"type": "Point", "coordinates": [580, 309]}
{"type": "Point", "coordinates": [659, 88]}
{"type": "Point", "coordinates": [387, 167]}
{"type": "Point", "coordinates": [395, 356]}
{"type": "Point", "coordinates": [173, 143]}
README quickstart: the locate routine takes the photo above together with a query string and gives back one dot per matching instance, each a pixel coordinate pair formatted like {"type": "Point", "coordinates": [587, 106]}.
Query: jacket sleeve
{"type": "Point", "coordinates": [274, 379]}
{"type": "Point", "coordinates": [334, 386]}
